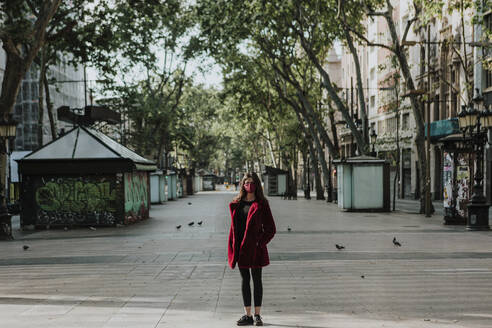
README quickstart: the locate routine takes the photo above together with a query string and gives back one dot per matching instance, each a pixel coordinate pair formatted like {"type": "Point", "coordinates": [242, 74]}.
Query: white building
{"type": "Point", "coordinates": [447, 89]}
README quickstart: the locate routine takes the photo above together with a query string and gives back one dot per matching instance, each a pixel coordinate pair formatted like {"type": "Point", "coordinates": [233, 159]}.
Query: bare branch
{"type": "Point", "coordinates": [369, 43]}
{"type": "Point", "coordinates": [407, 28]}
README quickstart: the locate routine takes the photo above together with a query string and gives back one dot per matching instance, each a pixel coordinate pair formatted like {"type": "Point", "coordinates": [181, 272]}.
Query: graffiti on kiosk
{"type": "Point", "coordinates": [76, 196]}
{"type": "Point", "coordinates": [71, 218]}
{"type": "Point", "coordinates": [136, 193]}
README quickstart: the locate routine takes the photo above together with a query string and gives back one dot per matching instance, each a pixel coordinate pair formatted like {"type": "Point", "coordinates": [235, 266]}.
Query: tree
{"type": "Point", "coordinates": [113, 38]}
{"type": "Point", "coordinates": [259, 27]}
{"type": "Point", "coordinates": [22, 30]}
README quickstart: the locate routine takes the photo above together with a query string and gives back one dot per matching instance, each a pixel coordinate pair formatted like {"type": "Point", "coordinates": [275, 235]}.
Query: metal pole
{"type": "Point", "coordinates": [427, 166]}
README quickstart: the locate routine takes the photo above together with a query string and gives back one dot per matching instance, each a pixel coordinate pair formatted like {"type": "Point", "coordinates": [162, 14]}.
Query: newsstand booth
{"type": "Point", "coordinates": [457, 181]}
{"type": "Point", "coordinates": [275, 181]}
{"type": "Point", "coordinates": [84, 178]}
{"type": "Point", "coordinates": [172, 185]}
{"type": "Point", "coordinates": [158, 185]}
{"type": "Point", "coordinates": [363, 184]}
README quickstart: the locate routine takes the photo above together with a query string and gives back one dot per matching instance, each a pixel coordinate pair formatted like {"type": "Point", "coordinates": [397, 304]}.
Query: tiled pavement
{"type": "Point", "coordinates": [151, 275]}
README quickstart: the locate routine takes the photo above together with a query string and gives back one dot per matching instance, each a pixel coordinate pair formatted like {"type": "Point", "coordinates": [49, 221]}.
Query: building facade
{"type": "Point", "coordinates": [67, 89]}
{"type": "Point", "coordinates": [451, 86]}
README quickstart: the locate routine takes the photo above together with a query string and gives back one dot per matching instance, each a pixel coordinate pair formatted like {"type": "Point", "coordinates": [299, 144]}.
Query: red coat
{"type": "Point", "coordinates": [260, 229]}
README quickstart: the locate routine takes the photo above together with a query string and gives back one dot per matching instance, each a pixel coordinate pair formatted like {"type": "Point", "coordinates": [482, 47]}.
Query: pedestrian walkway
{"type": "Point", "coordinates": [154, 275]}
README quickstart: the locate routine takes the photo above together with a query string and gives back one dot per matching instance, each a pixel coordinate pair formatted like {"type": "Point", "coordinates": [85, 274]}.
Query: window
{"type": "Point", "coordinates": [34, 90]}
{"type": "Point", "coordinates": [405, 124]}
{"type": "Point", "coordinates": [26, 112]}
{"type": "Point", "coordinates": [373, 101]}
{"type": "Point", "coordinates": [380, 127]}
{"type": "Point", "coordinates": [454, 104]}
{"type": "Point", "coordinates": [391, 125]}
{"type": "Point", "coordinates": [26, 91]}
{"type": "Point", "coordinates": [436, 109]}
{"type": "Point", "coordinates": [373, 71]}
{"type": "Point", "coordinates": [445, 104]}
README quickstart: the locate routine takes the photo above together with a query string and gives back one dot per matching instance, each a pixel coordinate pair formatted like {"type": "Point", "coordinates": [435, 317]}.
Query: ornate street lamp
{"type": "Point", "coordinates": [373, 136]}
{"type": "Point", "coordinates": [473, 125]}
{"type": "Point", "coordinates": [8, 129]}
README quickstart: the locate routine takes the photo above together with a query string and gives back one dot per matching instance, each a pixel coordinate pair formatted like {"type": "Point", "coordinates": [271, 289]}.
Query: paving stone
{"type": "Point", "coordinates": [150, 275]}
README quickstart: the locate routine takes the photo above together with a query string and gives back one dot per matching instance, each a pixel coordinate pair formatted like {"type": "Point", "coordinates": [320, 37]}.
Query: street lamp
{"type": "Point", "coordinates": [8, 129]}
{"type": "Point", "coordinates": [373, 141]}
{"type": "Point", "coordinates": [474, 124]}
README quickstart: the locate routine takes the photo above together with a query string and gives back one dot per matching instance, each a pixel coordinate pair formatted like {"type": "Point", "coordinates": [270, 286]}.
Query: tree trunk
{"type": "Point", "coordinates": [49, 107]}
{"type": "Point", "coordinates": [417, 107]}
{"type": "Point", "coordinates": [327, 84]}
{"type": "Point", "coordinates": [270, 148]}
{"type": "Point", "coordinates": [320, 151]}
{"type": "Point", "coordinates": [159, 152]}
{"type": "Point", "coordinates": [305, 184]}
{"type": "Point", "coordinates": [17, 65]}
{"type": "Point", "coordinates": [317, 178]}
{"type": "Point", "coordinates": [333, 128]}
{"type": "Point", "coordinates": [360, 87]}
{"type": "Point", "coordinates": [294, 171]}
{"type": "Point", "coordinates": [15, 70]}
{"type": "Point", "coordinates": [290, 78]}
{"type": "Point", "coordinates": [317, 123]}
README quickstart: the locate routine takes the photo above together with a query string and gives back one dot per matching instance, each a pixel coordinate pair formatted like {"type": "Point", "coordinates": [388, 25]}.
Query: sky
{"type": "Point", "coordinates": [205, 72]}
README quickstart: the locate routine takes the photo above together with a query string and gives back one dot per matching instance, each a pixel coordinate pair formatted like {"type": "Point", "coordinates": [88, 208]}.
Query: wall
{"type": "Point", "coordinates": [71, 200]}
{"type": "Point", "coordinates": [137, 196]}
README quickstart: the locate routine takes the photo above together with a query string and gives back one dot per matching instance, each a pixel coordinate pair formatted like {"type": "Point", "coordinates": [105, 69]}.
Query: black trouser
{"type": "Point", "coordinates": [258, 286]}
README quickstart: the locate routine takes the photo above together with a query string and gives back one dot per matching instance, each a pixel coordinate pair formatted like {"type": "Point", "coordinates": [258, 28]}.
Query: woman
{"type": "Point", "coordinates": [252, 227]}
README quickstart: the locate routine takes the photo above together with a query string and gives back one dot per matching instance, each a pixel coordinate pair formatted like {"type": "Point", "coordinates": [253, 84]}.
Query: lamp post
{"type": "Point", "coordinates": [8, 129]}
{"type": "Point", "coordinates": [474, 124]}
{"type": "Point", "coordinates": [373, 141]}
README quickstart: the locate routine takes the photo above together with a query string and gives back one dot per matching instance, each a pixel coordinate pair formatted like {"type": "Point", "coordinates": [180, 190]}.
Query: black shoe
{"type": "Point", "coordinates": [245, 321]}
{"type": "Point", "coordinates": [258, 321]}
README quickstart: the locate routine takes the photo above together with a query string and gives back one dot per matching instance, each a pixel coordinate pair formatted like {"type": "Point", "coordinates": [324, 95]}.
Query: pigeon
{"type": "Point", "coordinates": [191, 223]}
{"type": "Point", "coordinates": [189, 203]}
{"type": "Point", "coordinates": [362, 277]}
{"type": "Point", "coordinates": [396, 242]}
{"type": "Point", "coordinates": [25, 247]}
{"type": "Point", "coordinates": [289, 229]}
{"type": "Point", "coordinates": [178, 226]}
{"type": "Point", "coordinates": [200, 222]}
{"type": "Point", "coordinates": [339, 247]}
{"type": "Point", "coordinates": [65, 228]}
{"type": "Point", "coordinates": [92, 228]}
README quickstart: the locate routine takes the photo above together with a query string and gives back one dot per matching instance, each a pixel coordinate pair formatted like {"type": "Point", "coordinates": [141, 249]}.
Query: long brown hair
{"type": "Point", "coordinates": [258, 191]}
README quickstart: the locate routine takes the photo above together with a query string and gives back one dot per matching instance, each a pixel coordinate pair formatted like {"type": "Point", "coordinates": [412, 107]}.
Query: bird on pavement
{"type": "Point", "coordinates": [189, 203]}
{"type": "Point", "coordinates": [178, 226]}
{"type": "Point", "coordinates": [25, 247]}
{"type": "Point", "coordinates": [396, 242]}
{"type": "Point", "coordinates": [289, 229]}
{"type": "Point", "coordinates": [200, 222]}
{"type": "Point", "coordinates": [191, 223]}
{"type": "Point", "coordinates": [339, 247]}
